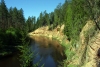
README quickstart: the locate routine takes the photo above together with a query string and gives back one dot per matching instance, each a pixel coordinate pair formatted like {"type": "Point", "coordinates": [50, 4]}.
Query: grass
{"type": "Point", "coordinates": [69, 52]}
{"type": "Point", "coordinates": [67, 49]}
{"type": "Point", "coordinates": [72, 65]}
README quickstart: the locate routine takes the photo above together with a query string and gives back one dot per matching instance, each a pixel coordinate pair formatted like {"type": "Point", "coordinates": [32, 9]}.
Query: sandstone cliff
{"type": "Point", "coordinates": [87, 52]}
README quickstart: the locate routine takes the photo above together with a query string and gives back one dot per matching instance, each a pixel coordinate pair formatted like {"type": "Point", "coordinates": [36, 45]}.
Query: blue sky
{"type": "Point", "coordinates": [34, 7]}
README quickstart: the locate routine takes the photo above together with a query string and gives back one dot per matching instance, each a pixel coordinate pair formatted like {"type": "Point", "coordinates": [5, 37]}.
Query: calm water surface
{"type": "Point", "coordinates": [49, 51]}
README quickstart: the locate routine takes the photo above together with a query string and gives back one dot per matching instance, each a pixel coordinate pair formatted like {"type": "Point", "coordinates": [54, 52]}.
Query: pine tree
{"type": "Point", "coordinates": [69, 23]}
{"type": "Point", "coordinates": [30, 24]}
{"type": "Point", "coordinates": [3, 15]}
{"type": "Point", "coordinates": [10, 12]}
{"type": "Point", "coordinates": [51, 18]}
{"type": "Point", "coordinates": [21, 19]}
{"type": "Point", "coordinates": [14, 17]}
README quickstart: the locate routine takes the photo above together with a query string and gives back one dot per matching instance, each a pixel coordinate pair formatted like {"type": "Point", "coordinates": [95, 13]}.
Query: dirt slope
{"type": "Point", "coordinates": [93, 51]}
{"type": "Point", "coordinates": [89, 47]}
{"type": "Point", "coordinates": [56, 33]}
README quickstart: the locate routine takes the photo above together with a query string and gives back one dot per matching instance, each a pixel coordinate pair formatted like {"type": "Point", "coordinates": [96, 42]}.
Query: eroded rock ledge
{"type": "Point", "coordinates": [44, 31]}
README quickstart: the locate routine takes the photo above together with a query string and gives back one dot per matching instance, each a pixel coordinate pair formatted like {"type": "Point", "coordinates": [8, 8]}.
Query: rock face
{"type": "Point", "coordinates": [56, 33]}
{"type": "Point", "coordinates": [92, 48]}
{"type": "Point", "coordinates": [93, 51]}
{"type": "Point", "coordinates": [89, 49]}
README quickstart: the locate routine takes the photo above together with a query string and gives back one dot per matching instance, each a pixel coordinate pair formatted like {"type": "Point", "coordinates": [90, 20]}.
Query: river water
{"type": "Point", "coordinates": [47, 52]}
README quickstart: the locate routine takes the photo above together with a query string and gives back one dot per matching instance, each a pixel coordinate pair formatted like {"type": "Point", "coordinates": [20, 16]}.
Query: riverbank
{"type": "Point", "coordinates": [75, 50]}
{"type": "Point", "coordinates": [56, 33]}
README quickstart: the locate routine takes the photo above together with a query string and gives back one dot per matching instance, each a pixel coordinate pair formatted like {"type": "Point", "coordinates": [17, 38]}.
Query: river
{"type": "Point", "coordinates": [49, 52]}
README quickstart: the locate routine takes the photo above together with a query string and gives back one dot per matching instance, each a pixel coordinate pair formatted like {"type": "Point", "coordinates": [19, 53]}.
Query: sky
{"type": "Point", "coordinates": [34, 7]}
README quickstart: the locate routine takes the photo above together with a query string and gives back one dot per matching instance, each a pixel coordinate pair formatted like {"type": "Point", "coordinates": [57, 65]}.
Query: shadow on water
{"type": "Point", "coordinates": [49, 50]}
{"type": "Point", "coordinates": [10, 60]}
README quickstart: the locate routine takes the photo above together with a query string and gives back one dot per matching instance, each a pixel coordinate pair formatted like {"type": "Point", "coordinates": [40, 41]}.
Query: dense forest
{"type": "Point", "coordinates": [73, 14]}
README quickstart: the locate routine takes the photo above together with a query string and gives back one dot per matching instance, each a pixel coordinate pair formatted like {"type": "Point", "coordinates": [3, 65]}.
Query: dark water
{"type": "Point", "coordinates": [10, 60]}
{"type": "Point", "coordinates": [49, 51]}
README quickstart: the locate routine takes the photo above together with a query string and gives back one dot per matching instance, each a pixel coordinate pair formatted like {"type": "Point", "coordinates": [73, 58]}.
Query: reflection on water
{"type": "Point", "coordinates": [10, 61]}
{"type": "Point", "coordinates": [50, 51]}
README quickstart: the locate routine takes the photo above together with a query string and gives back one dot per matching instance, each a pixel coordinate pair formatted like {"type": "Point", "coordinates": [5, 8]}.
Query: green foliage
{"type": "Point", "coordinates": [72, 65]}
{"type": "Point", "coordinates": [11, 31]}
{"type": "Point", "coordinates": [73, 14]}
{"type": "Point", "coordinates": [89, 33]}
{"type": "Point", "coordinates": [75, 19]}
{"type": "Point", "coordinates": [69, 54]}
{"type": "Point", "coordinates": [30, 24]}
{"type": "Point", "coordinates": [3, 15]}
{"type": "Point", "coordinates": [92, 8]}
{"type": "Point", "coordinates": [27, 55]}
{"type": "Point", "coordinates": [51, 17]}
{"type": "Point", "coordinates": [68, 51]}
{"type": "Point", "coordinates": [51, 27]}
{"type": "Point", "coordinates": [37, 64]}
{"type": "Point", "coordinates": [68, 25]}
{"type": "Point", "coordinates": [8, 40]}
